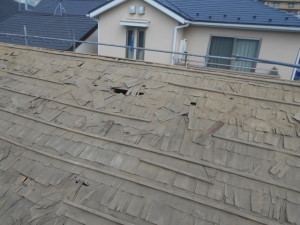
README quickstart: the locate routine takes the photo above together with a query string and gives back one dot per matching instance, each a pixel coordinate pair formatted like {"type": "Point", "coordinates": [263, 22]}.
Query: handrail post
{"type": "Point", "coordinates": [25, 36]}
{"type": "Point", "coordinates": [185, 58]}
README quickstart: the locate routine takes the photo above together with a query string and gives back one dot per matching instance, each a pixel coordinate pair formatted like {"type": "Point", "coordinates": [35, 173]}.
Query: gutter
{"type": "Point", "coordinates": [246, 26]}
{"type": "Point", "coordinates": [175, 39]}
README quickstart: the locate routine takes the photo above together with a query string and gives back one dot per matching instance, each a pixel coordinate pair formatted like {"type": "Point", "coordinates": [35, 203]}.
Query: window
{"type": "Point", "coordinates": [228, 46]}
{"type": "Point", "coordinates": [137, 34]}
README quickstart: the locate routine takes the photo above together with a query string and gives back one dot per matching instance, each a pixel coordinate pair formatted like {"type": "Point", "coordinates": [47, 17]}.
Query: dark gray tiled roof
{"type": "Point", "coordinates": [8, 8]}
{"type": "Point", "coordinates": [72, 7]}
{"type": "Point", "coordinates": [230, 11]}
{"type": "Point", "coordinates": [47, 25]}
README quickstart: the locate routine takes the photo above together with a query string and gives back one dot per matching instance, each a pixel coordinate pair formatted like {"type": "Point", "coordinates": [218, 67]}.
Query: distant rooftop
{"type": "Point", "coordinates": [47, 25]}
{"type": "Point", "coordinates": [72, 7]}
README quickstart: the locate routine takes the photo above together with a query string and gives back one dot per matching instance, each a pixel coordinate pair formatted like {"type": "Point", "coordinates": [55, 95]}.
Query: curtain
{"type": "Point", "coordinates": [246, 48]}
{"type": "Point", "coordinates": [220, 46]}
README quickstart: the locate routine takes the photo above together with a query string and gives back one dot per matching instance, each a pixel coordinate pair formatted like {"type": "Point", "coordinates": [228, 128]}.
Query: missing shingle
{"type": "Point", "coordinates": [123, 91]}
{"type": "Point", "coordinates": [119, 91]}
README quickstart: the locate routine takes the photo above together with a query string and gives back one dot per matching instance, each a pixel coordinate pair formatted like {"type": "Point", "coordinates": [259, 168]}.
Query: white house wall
{"type": "Point", "coordinates": [89, 48]}
{"type": "Point", "coordinates": [159, 34]}
{"type": "Point", "coordinates": [276, 46]}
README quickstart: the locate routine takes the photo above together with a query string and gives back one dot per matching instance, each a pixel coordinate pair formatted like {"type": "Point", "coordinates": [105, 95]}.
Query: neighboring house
{"type": "Point", "coordinates": [48, 25]}
{"type": "Point", "coordinates": [55, 19]}
{"type": "Point", "coordinates": [290, 6]}
{"type": "Point", "coordinates": [216, 27]}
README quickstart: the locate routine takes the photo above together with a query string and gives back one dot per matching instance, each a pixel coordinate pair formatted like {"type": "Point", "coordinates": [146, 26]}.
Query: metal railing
{"type": "Point", "coordinates": [181, 58]}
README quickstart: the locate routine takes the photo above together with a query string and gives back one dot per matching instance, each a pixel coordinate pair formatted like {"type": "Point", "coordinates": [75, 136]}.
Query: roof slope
{"type": "Point", "coordinates": [232, 11]}
{"type": "Point", "coordinates": [46, 25]}
{"type": "Point", "coordinates": [72, 7]}
{"type": "Point", "coordinates": [8, 8]}
{"type": "Point", "coordinates": [91, 140]}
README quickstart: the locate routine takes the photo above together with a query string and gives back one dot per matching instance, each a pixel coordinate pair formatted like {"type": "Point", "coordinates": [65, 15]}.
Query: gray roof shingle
{"type": "Point", "coordinates": [178, 147]}
{"type": "Point", "coordinates": [231, 11]}
{"type": "Point", "coordinates": [46, 25]}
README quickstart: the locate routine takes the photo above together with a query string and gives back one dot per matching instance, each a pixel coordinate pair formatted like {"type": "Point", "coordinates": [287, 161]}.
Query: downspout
{"type": "Point", "coordinates": [175, 40]}
{"type": "Point", "coordinates": [98, 30]}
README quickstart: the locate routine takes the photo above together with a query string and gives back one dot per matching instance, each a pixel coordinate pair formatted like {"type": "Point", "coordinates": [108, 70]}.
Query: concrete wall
{"type": "Point", "coordinates": [159, 34]}
{"type": "Point", "coordinates": [89, 48]}
{"type": "Point", "coordinates": [276, 46]}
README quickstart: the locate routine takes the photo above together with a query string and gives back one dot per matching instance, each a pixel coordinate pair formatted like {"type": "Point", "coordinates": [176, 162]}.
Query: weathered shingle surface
{"type": "Point", "coordinates": [91, 140]}
{"type": "Point", "coordinates": [46, 25]}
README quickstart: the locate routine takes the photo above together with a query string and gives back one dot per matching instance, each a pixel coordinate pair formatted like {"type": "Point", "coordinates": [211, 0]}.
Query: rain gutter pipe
{"type": "Point", "coordinates": [175, 39]}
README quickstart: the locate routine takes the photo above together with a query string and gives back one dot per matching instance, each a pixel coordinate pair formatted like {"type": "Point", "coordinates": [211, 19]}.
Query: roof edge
{"type": "Point", "coordinates": [246, 26]}
{"type": "Point", "coordinates": [153, 3]}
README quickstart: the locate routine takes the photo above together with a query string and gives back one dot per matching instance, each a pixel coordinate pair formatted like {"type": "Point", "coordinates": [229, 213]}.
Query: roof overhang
{"type": "Point", "coordinates": [246, 26]}
{"type": "Point", "coordinates": [135, 23]}
{"type": "Point", "coordinates": [112, 4]}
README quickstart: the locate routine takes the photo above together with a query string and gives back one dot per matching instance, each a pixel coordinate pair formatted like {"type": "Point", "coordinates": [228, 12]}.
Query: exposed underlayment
{"type": "Point", "coordinates": [91, 140]}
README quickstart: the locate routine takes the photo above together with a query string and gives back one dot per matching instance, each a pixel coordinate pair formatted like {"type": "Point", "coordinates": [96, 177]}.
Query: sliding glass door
{"type": "Point", "coordinates": [227, 47]}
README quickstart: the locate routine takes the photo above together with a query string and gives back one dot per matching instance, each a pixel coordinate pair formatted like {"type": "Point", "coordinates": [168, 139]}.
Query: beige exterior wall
{"type": "Point", "coordinates": [89, 48]}
{"type": "Point", "coordinates": [159, 34]}
{"type": "Point", "coordinates": [276, 46]}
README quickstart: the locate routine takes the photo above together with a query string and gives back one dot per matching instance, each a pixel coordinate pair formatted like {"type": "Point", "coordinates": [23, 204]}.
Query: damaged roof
{"type": "Point", "coordinates": [95, 140]}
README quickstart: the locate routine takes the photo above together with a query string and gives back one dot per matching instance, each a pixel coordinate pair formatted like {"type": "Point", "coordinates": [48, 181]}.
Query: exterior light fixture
{"type": "Point", "coordinates": [132, 9]}
{"type": "Point", "coordinates": [141, 10]}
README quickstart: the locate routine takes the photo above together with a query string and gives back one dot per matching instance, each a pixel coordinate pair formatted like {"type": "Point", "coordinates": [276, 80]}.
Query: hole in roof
{"type": "Point", "coordinates": [270, 20]}
{"type": "Point", "coordinates": [209, 17]}
{"type": "Point", "coordinates": [254, 17]}
{"type": "Point", "coordinates": [85, 184]}
{"type": "Point", "coordinates": [124, 91]}
{"type": "Point", "coordinates": [225, 15]}
{"type": "Point", "coordinates": [193, 103]}
{"type": "Point", "coordinates": [286, 18]}
{"type": "Point", "coordinates": [197, 14]}
{"type": "Point", "coordinates": [239, 18]}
